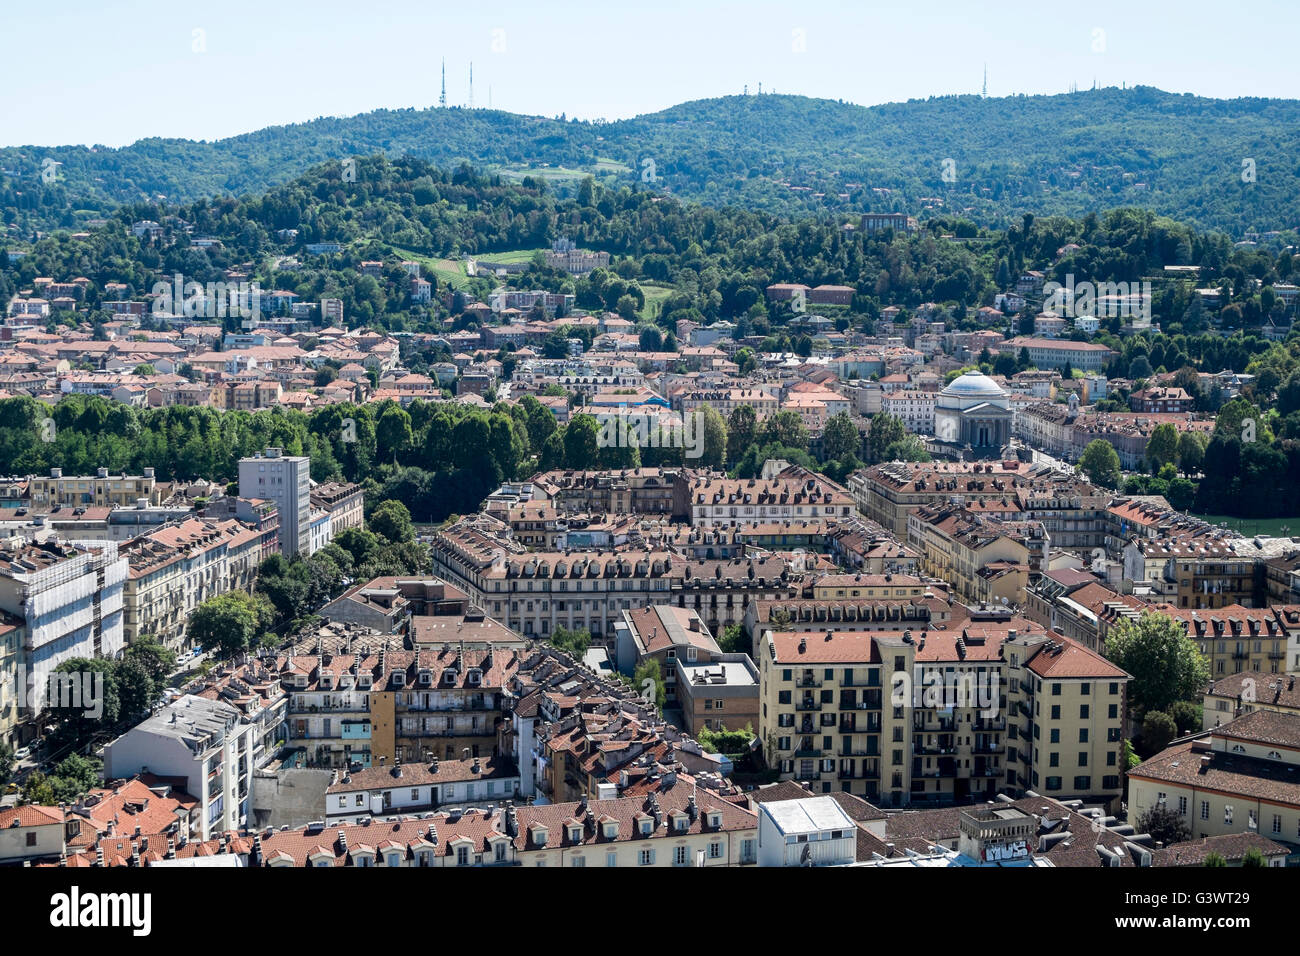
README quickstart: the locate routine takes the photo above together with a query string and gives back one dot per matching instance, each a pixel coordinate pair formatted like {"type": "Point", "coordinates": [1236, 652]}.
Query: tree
{"type": "Point", "coordinates": [393, 432]}
{"type": "Point", "coordinates": [732, 640]}
{"type": "Point", "coordinates": [1253, 858]}
{"type": "Point", "coordinates": [1191, 452]}
{"type": "Point", "coordinates": [884, 431]}
{"type": "Point", "coordinates": [1214, 860]}
{"type": "Point", "coordinates": [1166, 665]}
{"type": "Point", "coordinates": [157, 659]}
{"type": "Point", "coordinates": [575, 643]}
{"type": "Point", "coordinates": [785, 428]}
{"type": "Point", "coordinates": [1100, 462]}
{"type": "Point", "coordinates": [646, 675]}
{"type": "Point", "coordinates": [742, 429]}
{"type": "Point", "coordinates": [840, 437]}
{"type": "Point", "coordinates": [1164, 824]}
{"type": "Point", "coordinates": [392, 520]}
{"type": "Point", "coordinates": [1162, 446]}
{"type": "Point", "coordinates": [714, 434]}
{"type": "Point", "coordinates": [7, 761]}
{"type": "Point", "coordinates": [228, 624]}
{"type": "Point", "coordinates": [580, 448]}
{"type": "Point", "coordinates": [1158, 728]}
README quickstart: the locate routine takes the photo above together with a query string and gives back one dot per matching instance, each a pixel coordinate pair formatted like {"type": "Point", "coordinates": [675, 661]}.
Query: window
{"type": "Point", "coordinates": [579, 861]}
{"type": "Point", "coordinates": [1277, 823]}
{"type": "Point", "coordinates": [1182, 806]}
{"type": "Point", "coordinates": [680, 855]}
{"type": "Point", "coordinates": [1083, 711]}
{"type": "Point", "coordinates": [1227, 813]}
{"type": "Point", "coordinates": [645, 857]}
{"type": "Point", "coordinates": [1205, 809]}
{"type": "Point", "coordinates": [462, 856]}
{"type": "Point", "coordinates": [611, 859]}
{"type": "Point", "coordinates": [715, 849]}
{"type": "Point", "coordinates": [1056, 712]}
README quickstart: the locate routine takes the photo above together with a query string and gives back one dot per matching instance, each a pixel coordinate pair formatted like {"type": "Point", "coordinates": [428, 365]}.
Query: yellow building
{"type": "Point", "coordinates": [99, 490]}
{"type": "Point", "coordinates": [825, 713]}
{"type": "Point", "coordinates": [1241, 777]}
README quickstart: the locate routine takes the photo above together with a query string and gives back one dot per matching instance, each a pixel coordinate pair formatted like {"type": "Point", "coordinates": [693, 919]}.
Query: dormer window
{"type": "Point", "coordinates": [715, 820]}
{"type": "Point", "coordinates": [449, 675]}
{"type": "Point", "coordinates": [474, 677]}
{"type": "Point", "coordinates": [575, 834]}
{"type": "Point", "coordinates": [426, 677]}
{"type": "Point", "coordinates": [611, 830]}
{"type": "Point", "coordinates": [399, 678]}
{"type": "Point", "coordinates": [647, 826]}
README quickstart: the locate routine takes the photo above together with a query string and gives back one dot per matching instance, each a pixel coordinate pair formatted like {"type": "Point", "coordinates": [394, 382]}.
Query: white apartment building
{"type": "Point", "coordinates": [71, 598]}
{"type": "Point", "coordinates": [914, 408]}
{"type": "Point", "coordinates": [286, 480]}
{"type": "Point", "coordinates": [207, 742]}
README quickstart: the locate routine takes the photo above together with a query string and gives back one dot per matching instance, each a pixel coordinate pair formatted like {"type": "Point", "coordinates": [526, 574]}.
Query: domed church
{"type": "Point", "coordinates": [972, 418]}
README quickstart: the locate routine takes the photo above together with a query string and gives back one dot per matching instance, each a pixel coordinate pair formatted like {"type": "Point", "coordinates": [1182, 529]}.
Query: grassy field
{"type": "Point", "coordinates": [516, 255]}
{"type": "Point", "coordinates": [1277, 527]}
{"type": "Point", "coordinates": [654, 295]}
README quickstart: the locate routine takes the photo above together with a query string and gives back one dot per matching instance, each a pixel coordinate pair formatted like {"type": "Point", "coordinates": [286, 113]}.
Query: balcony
{"type": "Point", "coordinates": [808, 704]}
{"type": "Point", "coordinates": [808, 751]}
{"type": "Point", "coordinates": [932, 750]}
{"type": "Point", "coordinates": [807, 682]}
{"type": "Point", "coordinates": [987, 748]}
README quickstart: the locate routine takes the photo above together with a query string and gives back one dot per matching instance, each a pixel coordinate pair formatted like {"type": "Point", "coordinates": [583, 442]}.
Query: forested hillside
{"type": "Point", "coordinates": [1071, 154]}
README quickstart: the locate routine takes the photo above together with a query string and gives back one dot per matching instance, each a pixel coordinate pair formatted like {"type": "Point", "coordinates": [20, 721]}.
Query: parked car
{"type": "Point", "coordinates": [22, 753]}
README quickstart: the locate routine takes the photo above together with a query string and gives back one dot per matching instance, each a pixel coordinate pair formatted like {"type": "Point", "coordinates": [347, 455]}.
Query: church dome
{"type": "Point", "coordinates": [974, 385]}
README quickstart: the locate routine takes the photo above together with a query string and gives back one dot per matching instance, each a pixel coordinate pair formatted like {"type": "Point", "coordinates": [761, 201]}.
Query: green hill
{"type": "Point", "coordinates": [1071, 154]}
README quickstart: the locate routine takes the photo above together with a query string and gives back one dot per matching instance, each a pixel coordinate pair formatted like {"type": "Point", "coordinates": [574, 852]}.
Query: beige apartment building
{"type": "Point", "coordinates": [727, 400]}
{"type": "Point", "coordinates": [99, 490]}
{"type": "Point", "coordinates": [938, 717]}
{"type": "Point", "coordinates": [825, 712]}
{"type": "Point", "coordinates": [1240, 777]}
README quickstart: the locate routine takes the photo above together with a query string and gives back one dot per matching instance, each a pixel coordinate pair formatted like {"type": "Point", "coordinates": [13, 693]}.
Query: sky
{"type": "Point", "coordinates": [101, 72]}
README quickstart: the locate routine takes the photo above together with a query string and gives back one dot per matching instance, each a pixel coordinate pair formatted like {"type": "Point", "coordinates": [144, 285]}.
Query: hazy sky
{"type": "Point", "coordinates": [92, 71]}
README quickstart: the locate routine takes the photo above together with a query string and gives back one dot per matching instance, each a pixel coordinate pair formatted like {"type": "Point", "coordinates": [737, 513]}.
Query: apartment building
{"type": "Point", "coordinates": [285, 480]}
{"type": "Point", "coordinates": [712, 689]}
{"type": "Point", "coordinates": [631, 491]}
{"type": "Point", "coordinates": [207, 743]}
{"type": "Point", "coordinates": [957, 546]}
{"type": "Point", "coordinates": [69, 597]}
{"type": "Point", "coordinates": [360, 795]}
{"type": "Point", "coordinates": [913, 407]}
{"type": "Point", "coordinates": [99, 490]}
{"type": "Point", "coordinates": [1246, 692]}
{"type": "Point", "coordinates": [1193, 571]}
{"type": "Point", "coordinates": [1057, 353]}
{"type": "Point", "coordinates": [1235, 639]}
{"type": "Point", "coordinates": [792, 494]}
{"type": "Point", "coordinates": [1067, 704]}
{"type": "Point", "coordinates": [674, 826]}
{"type": "Point", "coordinates": [344, 501]}
{"type": "Point", "coordinates": [444, 702]}
{"type": "Point", "coordinates": [1237, 778]}
{"type": "Point", "coordinates": [826, 716]}
{"type": "Point", "coordinates": [726, 400]}
{"type": "Point", "coordinates": [176, 568]}
{"type": "Point", "coordinates": [969, 713]}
